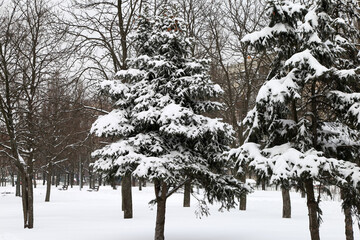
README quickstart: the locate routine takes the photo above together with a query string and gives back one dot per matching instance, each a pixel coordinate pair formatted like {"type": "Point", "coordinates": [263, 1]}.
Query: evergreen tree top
{"type": "Point", "coordinates": [306, 119]}
{"type": "Point", "coordinates": [157, 123]}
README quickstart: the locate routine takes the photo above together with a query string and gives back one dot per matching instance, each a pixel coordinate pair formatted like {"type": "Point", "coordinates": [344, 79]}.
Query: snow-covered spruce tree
{"type": "Point", "coordinates": [160, 133]}
{"type": "Point", "coordinates": [306, 119]}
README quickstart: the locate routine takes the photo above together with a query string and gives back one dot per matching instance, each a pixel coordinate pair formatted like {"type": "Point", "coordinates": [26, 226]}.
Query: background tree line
{"type": "Point", "coordinates": [53, 53]}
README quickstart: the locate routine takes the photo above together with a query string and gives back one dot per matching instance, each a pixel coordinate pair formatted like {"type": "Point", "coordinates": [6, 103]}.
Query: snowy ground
{"type": "Point", "coordinates": [83, 215]}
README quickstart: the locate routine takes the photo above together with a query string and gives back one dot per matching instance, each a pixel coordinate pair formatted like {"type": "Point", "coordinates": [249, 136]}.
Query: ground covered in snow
{"type": "Point", "coordinates": [84, 215]}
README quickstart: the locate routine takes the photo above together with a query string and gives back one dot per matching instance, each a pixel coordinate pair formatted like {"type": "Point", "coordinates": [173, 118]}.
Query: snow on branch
{"type": "Point", "coordinates": [286, 163]}
{"type": "Point", "coordinates": [113, 123]}
{"type": "Point", "coordinates": [306, 58]}
{"type": "Point", "coordinates": [265, 34]}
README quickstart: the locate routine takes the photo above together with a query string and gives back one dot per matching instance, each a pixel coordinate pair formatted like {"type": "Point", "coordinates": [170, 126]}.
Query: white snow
{"type": "Point", "coordinates": [306, 57]}
{"type": "Point", "coordinates": [130, 72]}
{"type": "Point", "coordinates": [312, 17]}
{"type": "Point", "coordinates": [286, 162]}
{"type": "Point", "coordinates": [265, 33]}
{"type": "Point", "coordinates": [277, 90]}
{"type": "Point", "coordinates": [113, 86]}
{"type": "Point", "coordinates": [83, 215]}
{"type": "Point", "coordinates": [113, 123]}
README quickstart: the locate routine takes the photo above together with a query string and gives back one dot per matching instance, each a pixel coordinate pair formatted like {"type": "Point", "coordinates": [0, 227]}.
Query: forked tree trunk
{"type": "Point", "coordinates": [286, 202]}
{"type": "Point", "coordinates": [48, 182]}
{"type": "Point", "coordinates": [160, 191]}
{"type": "Point", "coordinates": [126, 196]}
{"type": "Point", "coordinates": [187, 194]}
{"type": "Point", "coordinates": [312, 205]}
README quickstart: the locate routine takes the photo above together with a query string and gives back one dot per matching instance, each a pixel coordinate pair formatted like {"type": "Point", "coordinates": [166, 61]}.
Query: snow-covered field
{"type": "Point", "coordinates": [83, 215]}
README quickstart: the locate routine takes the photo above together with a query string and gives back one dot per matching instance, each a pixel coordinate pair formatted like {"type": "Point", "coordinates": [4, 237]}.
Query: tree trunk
{"type": "Point", "coordinates": [44, 177]}
{"type": "Point", "coordinates": [100, 180]}
{"type": "Point", "coordinates": [3, 181]}
{"type": "Point", "coordinates": [126, 196]}
{"type": "Point", "coordinates": [349, 233]}
{"type": "Point", "coordinates": [53, 179]}
{"type": "Point", "coordinates": [113, 183]}
{"type": "Point", "coordinates": [312, 209]}
{"type": "Point", "coordinates": [303, 194]}
{"type": "Point", "coordinates": [187, 194]}
{"type": "Point", "coordinates": [263, 185]}
{"type": "Point", "coordinates": [134, 182]}
{"type": "Point", "coordinates": [34, 179]}
{"type": "Point", "coordinates": [72, 179]}
{"type": "Point", "coordinates": [160, 191]}
{"type": "Point", "coordinates": [12, 180]}
{"type": "Point", "coordinates": [286, 202]}
{"type": "Point", "coordinates": [140, 184]}
{"type": "Point", "coordinates": [90, 180]}
{"type": "Point", "coordinates": [27, 200]}
{"type": "Point", "coordinates": [58, 179]}
{"type": "Point", "coordinates": [80, 173]}
{"type": "Point", "coordinates": [242, 206]}
{"type": "Point", "coordinates": [48, 182]}
{"type": "Point", "coordinates": [18, 188]}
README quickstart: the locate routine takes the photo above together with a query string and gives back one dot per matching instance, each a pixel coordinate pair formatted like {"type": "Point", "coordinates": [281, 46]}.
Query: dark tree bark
{"type": "Point", "coordinates": [53, 179]}
{"type": "Point", "coordinates": [187, 194]}
{"type": "Point", "coordinates": [286, 202]}
{"type": "Point", "coordinates": [126, 196]}
{"type": "Point", "coordinates": [3, 181]}
{"type": "Point", "coordinates": [12, 180]}
{"type": "Point", "coordinates": [34, 179]}
{"type": "Point", "coordinates": [113, 183]}
{"type": "Point", "coordinates": [140, 184]}
{"type": "Point", "coordinates": [242, 206]}
{"type": "Point", "coordinates": [263, 185]}
{"type": "Point", "coordinates": [303, 194]}
{"type": "Point", "coordinates": [91, 180]}
{"type": "Point", "coordinates": [27, 200]}
{"type": "Point", "coordinates": [133, 180]}
{"type": "Point", "coordinates": [349, 233]}
{"type": "Point", "coordinates": [44, 178]}
{"type": "Point", "coordinates": [160, 191]}
{"type": "Point", "coordinates": [312, 205]}
{"type": "Point", "coordinates": [18, 180]}
{"type": "Point", "coordinates": [48, 182]}
{"type": "Point", "coordinates": [100, 180]}
{"type": "Point", "coordinates": [72, 179]}
{"type": "Point", "coordinates": [58, 179]}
